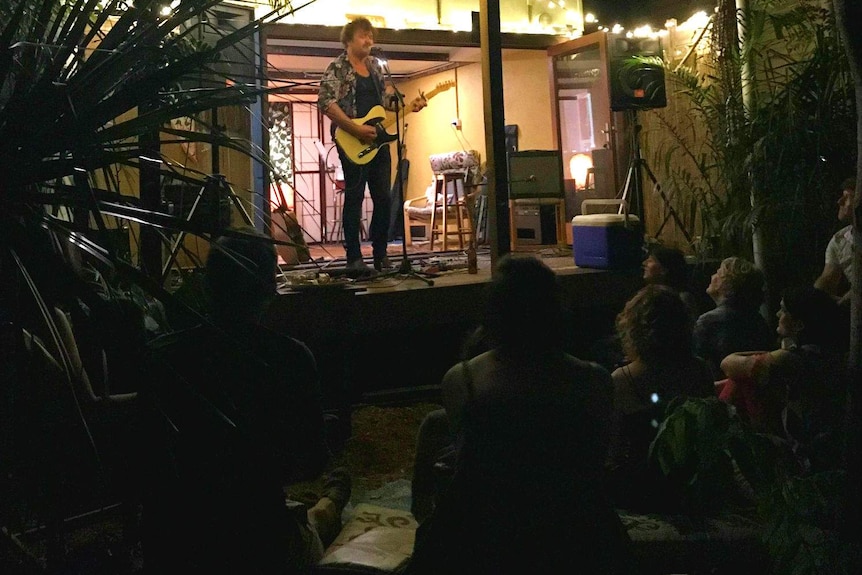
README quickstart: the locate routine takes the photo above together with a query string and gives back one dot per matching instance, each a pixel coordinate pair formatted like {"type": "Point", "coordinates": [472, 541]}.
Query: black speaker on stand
{"type": "Point", "coordinates": [637, 83]}
{"type": "Point", "coordinates": [636, 73]}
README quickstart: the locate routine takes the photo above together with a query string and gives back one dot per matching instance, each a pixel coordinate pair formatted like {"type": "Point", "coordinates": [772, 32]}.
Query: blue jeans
{"type": "Point", "coordinates": [377, 175]}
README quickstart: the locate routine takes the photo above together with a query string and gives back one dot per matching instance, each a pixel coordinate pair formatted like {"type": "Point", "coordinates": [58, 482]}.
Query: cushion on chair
{"type": "Point", "coordinates": [424, 213]}
{"type": "Point", "coordinates": [450, 162]}
{"type": "Point", "coordinates": [416, 213]}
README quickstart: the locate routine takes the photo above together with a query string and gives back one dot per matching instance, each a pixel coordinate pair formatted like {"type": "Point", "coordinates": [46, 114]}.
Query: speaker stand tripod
{"type": "Point", "coordinates": [633, 187]}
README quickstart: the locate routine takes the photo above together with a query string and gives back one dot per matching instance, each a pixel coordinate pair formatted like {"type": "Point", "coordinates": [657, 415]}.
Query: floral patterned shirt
{"type": "Point", "coordinates": [338, 84]}
{"type": "Point", "coordinates": [839, 251]}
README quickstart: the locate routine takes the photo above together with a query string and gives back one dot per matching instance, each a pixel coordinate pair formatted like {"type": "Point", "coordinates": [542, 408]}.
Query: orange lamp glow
{"type": "Point", "coordinates": [578, 166]}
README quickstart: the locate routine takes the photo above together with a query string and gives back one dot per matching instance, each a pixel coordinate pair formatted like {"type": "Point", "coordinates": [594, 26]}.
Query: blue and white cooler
{"type": "Point", "coordinates": [607, 240]}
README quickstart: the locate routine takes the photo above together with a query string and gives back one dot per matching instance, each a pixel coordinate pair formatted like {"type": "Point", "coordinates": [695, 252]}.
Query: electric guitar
{"type": "Point", "coordinates": [361, 153]}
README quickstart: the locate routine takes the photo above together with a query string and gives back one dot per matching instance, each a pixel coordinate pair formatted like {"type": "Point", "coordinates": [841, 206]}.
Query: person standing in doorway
{"type": "Point", "coordinates": [351, 86]}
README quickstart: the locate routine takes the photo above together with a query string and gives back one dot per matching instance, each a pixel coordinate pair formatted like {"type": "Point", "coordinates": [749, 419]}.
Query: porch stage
{"type": "Point", "coordinates": [391, 340]}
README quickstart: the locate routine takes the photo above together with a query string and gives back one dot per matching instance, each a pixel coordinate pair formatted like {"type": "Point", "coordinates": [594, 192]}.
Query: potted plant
{"type": "Point", "coordinates": [713, 460]}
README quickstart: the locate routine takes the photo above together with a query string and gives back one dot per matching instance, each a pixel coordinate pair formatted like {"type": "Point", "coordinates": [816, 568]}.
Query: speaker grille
{"type": "Point", "coordinates": [636, 73]}
{"type": "Point", "coordinates": [536, 174]}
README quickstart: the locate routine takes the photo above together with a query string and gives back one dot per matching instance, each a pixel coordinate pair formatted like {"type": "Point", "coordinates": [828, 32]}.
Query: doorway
{"type": "Point", "coordinates": [307, 174]}
{"type": "Point", "coordinates": [585, 125]}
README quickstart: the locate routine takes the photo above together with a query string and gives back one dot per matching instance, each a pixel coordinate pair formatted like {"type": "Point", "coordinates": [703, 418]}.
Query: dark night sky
{"type": "Point", "coordinates": [632, 13]}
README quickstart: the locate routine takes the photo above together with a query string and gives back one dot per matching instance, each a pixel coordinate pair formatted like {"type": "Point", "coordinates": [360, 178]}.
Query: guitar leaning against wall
{"type": "Point", "coordinates": [361, 153]}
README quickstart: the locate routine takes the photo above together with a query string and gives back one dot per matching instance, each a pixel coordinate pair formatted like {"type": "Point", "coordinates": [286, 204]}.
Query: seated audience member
{"type": "Point", "coordinates": [663, 266]}
{"type": "Point", "coordinates": [735, 324]}
{"type": "Point", "coordinates": [656, 335]}
{"type": "Point", "coordinates": [837, 274]}
{"type": "Point", "coordinates": [532, 426]}
{"type": "Point", "coordinates": [235, 415]}
{"type": "Point", "coordinates": [795, 391]}
{"type": "Point", "coordinates": [667, 266]}
{"type": "Point", "coordinates": [436, 445]}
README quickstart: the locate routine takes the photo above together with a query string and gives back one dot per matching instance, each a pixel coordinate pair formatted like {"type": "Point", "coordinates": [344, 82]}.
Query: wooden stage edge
{"type": "Point", "coordinates": [398, 334]}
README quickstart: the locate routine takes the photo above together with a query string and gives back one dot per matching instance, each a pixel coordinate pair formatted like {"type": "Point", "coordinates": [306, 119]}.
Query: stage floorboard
{"type": "Point", "coordinates": [445, 267]}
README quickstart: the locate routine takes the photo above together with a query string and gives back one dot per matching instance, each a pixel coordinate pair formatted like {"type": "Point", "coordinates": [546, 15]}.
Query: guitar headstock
{"type": "Point", "coordinates": [441, 87]}
{"type": "Point", "coordinates": [423, 97]}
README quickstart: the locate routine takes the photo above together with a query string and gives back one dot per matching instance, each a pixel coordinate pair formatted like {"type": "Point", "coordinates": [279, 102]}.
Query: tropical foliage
{"type": "Point", "coordinates": [760, 135]}
{"type": "Point", "coordinates": [714, 459]}
{"type": "Point", "coordinates": [89, 91]}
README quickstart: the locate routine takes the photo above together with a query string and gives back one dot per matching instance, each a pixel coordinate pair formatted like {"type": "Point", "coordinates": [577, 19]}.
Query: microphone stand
{"type": "Point", "coordinates": [405, 268]}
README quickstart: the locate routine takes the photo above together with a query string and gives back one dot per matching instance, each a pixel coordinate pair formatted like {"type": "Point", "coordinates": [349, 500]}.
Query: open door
{"type": "Point", "coordinates": [583, 119]}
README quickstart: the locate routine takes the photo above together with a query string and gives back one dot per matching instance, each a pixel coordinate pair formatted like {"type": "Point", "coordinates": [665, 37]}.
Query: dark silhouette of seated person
{"type": "Point", "coordinates": [735, 324]}
{"type": "Point", "coordinates": [235, 413]}
{"type": "Point", "coordinates": [795, 392]}
{"type": "Point", "coordinates": [436, 447]}
{"type": "Point", "coordinates": [655, 332]}
{"type": "Point", "coordinates": [663, 266]}
{"type": "Point", "coordinates": [667, 266]}
{"type": "Point", "coordinates": [532, 426]}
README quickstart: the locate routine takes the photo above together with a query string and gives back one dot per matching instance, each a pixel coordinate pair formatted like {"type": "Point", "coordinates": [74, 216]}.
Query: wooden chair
{"type": "Point", "coordinates": [417, 212]}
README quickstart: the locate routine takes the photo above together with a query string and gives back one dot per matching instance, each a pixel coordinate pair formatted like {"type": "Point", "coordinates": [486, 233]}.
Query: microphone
{"type": "Point", "coordinates": [381, 58]}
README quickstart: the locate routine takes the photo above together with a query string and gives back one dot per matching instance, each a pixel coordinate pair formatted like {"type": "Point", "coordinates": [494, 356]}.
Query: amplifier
{"type": "Point", "coordinates": [535, 224]}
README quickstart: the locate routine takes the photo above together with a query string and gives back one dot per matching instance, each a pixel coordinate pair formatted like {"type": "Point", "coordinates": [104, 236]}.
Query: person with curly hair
{"type": "Point", "coordinates": [655, 332]}
{"type": "Point", "coordinates": [351, 88]}
{"type": "Point", "coordinates": [736, 323]}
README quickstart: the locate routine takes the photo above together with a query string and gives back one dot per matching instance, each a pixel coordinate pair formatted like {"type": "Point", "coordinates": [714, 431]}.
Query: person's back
{"type": "Point", "coordinates": [727, 329]}
{"type": "Point", "coordinates": [656, 335]}
{"type": "Point", "coordinates": [241, 429]}
{"type": "Point", "coordinates": [527, 490]}
{"type": "Point", "coordinates": [641, 399]}
{"type": "Point", "coordinates": [229, 426]}
{"type": "Point", "coordinates": [545, 414]}
{"type": "Point", "coordinates": [532, 425]}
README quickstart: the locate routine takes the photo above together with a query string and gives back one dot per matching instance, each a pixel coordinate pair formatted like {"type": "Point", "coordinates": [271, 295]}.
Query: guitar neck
{"type": "Point", "coordinates": [440, 88]}
{"type": "Point", "coordinates": [389, 121]}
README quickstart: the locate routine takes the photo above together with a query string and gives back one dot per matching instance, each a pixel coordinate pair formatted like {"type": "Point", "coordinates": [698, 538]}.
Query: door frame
{"type": "Point", "coordinates": [614, 125]}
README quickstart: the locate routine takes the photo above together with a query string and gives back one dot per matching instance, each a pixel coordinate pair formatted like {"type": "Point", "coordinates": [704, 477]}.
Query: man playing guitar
{"type": "Point", "coordinates": [351, 86]}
